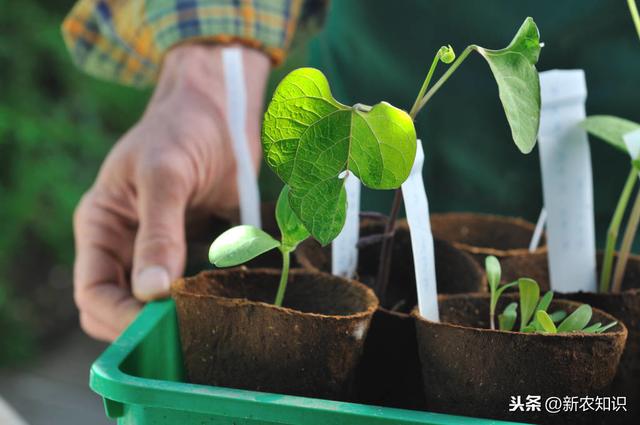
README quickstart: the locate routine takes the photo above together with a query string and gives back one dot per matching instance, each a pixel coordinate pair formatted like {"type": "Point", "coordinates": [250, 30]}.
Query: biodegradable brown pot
{"type": "Point", "coordinates": [624, 305]}
{"type": "Point", "coordinates": [389, 374]}
{"type": "Point", "coordinates": [471, 370]}
{"type": "Point", "coordinates": [233, 336]}
{"type": "Point", "coordinates": [485, 234]}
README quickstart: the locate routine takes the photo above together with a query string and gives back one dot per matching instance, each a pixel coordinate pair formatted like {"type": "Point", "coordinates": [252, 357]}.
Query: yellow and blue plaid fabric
{"type": "Point", "coordinates": [124, 40]}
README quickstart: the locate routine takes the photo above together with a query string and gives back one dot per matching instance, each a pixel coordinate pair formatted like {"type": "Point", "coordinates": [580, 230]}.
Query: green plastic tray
{"type": "Point", "coordinates": [140, 379]}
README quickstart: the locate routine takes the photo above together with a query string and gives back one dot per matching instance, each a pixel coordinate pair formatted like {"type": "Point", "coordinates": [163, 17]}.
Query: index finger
{"type": "Point", "coordinates": [104, 243]}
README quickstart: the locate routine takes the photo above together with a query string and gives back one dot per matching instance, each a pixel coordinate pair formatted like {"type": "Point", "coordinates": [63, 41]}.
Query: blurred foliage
{"type": "Point", "coordinates": [56, 125]}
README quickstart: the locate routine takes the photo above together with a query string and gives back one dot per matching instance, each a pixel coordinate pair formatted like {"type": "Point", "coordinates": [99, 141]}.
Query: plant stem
{"type": "Point", "coordinates": [625, 248]}
{"type": "Point", "coordinates": [492, 320]}
{"type": "Point", "coordinates": [614, 227]}
{"type": "Point", "coordinates": [384, 265]}
{"type": "Point", "coordinates": [634, 15]}
{"type": "Point", "coordinates": [444, 78]}
{"type": "Point", "coordinates": [425, 84]}
{"type": "Point", "coordinates": [284, 277]}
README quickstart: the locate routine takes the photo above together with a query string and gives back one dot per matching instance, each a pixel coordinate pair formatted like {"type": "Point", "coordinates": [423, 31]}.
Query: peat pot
{"type": "Point", "coordinates": [233, 336]}
{"type": "Point", "coordinates": [471, 370]}
{"type": "Point", "coordinates": [484, 234]}
{"type": "Point", "coordinates": [624, 305]}
{"type": "Point", "coordinates": [389, 374]}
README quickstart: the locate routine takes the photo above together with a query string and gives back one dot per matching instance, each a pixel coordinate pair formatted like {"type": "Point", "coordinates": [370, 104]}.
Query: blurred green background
{"type": "Point", "coordinates": [56, 125]}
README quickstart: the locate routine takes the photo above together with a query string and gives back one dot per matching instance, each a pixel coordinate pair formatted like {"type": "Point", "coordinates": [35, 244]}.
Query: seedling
{"type": "Point", "coordinates": [311, 141]}
{"type": "Point", "coordinates": [611, 130]}
{"type": "Point", "coordinates": [243, 243]}
{"type": "Point", "coordinates": [533, 308]}
{"type": "Point", "coordinates": [519, 90]}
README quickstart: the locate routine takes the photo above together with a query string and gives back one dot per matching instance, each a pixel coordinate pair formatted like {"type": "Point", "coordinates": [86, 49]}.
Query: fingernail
{"type": "Point", "coordinates": [151, 283]}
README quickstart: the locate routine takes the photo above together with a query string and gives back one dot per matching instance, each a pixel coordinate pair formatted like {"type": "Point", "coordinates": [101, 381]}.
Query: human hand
{"type": "Point", "coordinates": [175, 167]}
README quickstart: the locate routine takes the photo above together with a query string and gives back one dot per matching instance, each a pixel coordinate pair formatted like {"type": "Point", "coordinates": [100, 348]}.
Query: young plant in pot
{"type": "Point", "coordinates": [619, 272]}
{"type": "Point", "coordinates": [308, 342]}
{"type": "Point", "coordinates": [474, 361]}
{"type": "Point", "coordinates": [389, 373]}
{"type": "Point", "coordinates": [242, 328]}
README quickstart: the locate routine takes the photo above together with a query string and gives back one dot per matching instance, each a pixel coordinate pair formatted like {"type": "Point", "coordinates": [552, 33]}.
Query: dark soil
{"type": "Point", "coordinates": [471, 370]}
{"type": "Point", "coordinates": [233, 336]}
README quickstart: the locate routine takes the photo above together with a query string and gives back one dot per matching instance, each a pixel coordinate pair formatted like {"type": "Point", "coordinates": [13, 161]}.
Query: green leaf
{"type": "Point", "coordinates": [529, 329]}
{"type": "Point", "coordinates": [518, 84]}
{"type": "Point", "coordinates": [558, 316]}
{"type": "Point", "coordinates": [291, 228]}
{"type": "Point", "coordinates": [543, 305]}
{"type": "Point", "coordinates": [239, 245]}
{"type": "Point", "coordinates": [507, 319]}
{"type": "Point", "coordinates": [592, 328]}
{"type": "Point", "coordinates": [529, 295]}
{"type": "Point", "coordinates": [309, 140]}
{"type": "Point", "coordinates": [577, 320]}
{"type": "Point", "coordinates": [545, 301]}
{"type": "Point", "coordinates": [494, 271]}
{"type": "Point", "coordinates": [610, 129]}
{"type": "Point", "coordinates": [546, 322]}
{"type": "Point", "coordinates": [601, 329]}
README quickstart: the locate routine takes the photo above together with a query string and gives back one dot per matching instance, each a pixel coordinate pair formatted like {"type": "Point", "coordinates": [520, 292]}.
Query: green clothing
{"type": "Point", "coordinates": [380, 50]}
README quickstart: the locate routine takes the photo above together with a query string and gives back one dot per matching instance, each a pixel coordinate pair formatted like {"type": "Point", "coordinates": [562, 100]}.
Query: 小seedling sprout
{"type": "Point", "coordinates": [243, 243]}
{"type": "Point", "coordinates": [611, 130]}
{"type": "Point", "coordinates": [533, 308]}
{"type": "Point", "coordinates": [519, 90]}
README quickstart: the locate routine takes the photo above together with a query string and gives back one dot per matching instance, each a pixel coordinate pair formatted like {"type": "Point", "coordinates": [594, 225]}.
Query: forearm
{"type": "Point", "coordinates": [195, 73]}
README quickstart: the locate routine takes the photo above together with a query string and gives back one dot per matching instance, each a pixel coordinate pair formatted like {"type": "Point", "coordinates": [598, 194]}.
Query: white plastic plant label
{"type": "Point", "coordinates": [565, 162]}
{"type": "Point", "coordinates": [344, 251]}
{"type": "Point", "coordinates": [537, 232]}
{"type": "Point", "coordinates": [248, 191]}
{"type": "Point", "coordinates": [416, 206]}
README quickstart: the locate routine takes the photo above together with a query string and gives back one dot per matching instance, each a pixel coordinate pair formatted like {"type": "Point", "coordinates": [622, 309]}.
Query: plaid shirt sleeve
{"type": "Point", "coordinates": [124, 40]}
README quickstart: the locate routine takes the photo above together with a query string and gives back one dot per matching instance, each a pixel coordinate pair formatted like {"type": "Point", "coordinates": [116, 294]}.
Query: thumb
{"type": "Point", "coordinates": [160, 246]}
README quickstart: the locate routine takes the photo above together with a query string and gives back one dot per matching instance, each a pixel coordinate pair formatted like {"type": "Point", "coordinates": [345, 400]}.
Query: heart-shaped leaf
{"type": "Point", "coordinates": [610, 129]}
{"type": "Point", "coordinates": [310, 140]}
{"type": "Point", "coordinates": [239, 245]}
{"type": "Point", "coordinates": [518, 84]}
